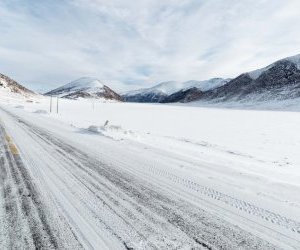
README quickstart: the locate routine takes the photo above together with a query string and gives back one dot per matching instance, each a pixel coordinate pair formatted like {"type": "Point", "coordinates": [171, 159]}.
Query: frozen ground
{"type": "Point", "coordinates": [155, 176]}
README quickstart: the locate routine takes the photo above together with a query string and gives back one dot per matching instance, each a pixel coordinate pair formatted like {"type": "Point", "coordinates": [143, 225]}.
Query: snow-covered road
{"type": "Point", "coordinates": [57, 192]}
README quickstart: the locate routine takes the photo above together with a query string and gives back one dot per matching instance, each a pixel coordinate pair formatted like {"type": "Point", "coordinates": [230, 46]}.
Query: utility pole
{"type": "Point", "coordinates": [50, 103]}
{"type": "Point", "coordinates": [57, 105]}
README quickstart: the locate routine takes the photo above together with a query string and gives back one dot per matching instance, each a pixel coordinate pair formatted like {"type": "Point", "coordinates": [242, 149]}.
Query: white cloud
{"type": "Point", "coordinates": [47, 43]}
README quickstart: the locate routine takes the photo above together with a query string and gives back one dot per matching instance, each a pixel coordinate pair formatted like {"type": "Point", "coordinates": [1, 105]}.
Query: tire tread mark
{"type": "Point", "coordinates": [30, 202]}
{"type": "Point", "coordinates": [175, 217]}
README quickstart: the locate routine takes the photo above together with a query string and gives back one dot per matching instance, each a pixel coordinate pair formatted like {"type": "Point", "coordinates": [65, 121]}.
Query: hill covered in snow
{"type": "Point", "coordinates": [85, 87]}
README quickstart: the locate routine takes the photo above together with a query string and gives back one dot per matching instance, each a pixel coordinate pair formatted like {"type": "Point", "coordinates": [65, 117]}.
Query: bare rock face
{"type": "Point", "coordinates": [85, 87]}
{"type": "Point", "coordinates": [11, 85]}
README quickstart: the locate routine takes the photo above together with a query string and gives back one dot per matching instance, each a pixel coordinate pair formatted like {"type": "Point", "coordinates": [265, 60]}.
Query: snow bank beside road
{"type": "Point", "coordinates": [113, 131]}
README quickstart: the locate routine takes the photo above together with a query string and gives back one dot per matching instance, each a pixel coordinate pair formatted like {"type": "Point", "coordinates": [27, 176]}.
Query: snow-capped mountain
{"type": "Point", "coordinates": [278, 81]}
{"type": "Point", "coordinates": [257, 73]}
{"type": "Point", "coordinates": [85, 87]}
{"type": "Point", "coordinates": [153, 94]}
{"type": "Point", "coordinates": [160, 92]}
{"type": "Point", "coordinates": [9, 85]}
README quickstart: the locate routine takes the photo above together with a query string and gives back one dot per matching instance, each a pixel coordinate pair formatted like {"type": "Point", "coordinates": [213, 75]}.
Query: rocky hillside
{"type": "Point", "coordinates": [9, 85]}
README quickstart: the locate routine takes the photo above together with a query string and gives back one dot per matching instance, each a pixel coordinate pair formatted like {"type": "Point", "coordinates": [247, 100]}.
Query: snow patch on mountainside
{"type": "Point", "coordinates": [84, 82]}
{"type": "Point", "coordinates": [206, 84]}
{"type": "Point", "coordinates": [166, 87]}
{"type": "Point", "coordinates": [85, 87]}
{"type": "Point", "coordinates": [163, 88]}
{"type": "Point", "coordinates": [295, 60]}
{"type": "Point", "coordinates": [3, 83]}
{"type": "Point", "coordinates": [88, 84]}
{"type": "Point", "coordinates": [171, 87]}
{"type": "Point", "coordinates": [257, 73]}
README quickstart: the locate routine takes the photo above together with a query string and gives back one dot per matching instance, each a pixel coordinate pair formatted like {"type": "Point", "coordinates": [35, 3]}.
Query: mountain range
{"type": "Point", "coordinates": [278, 81]}
{"type": "Point", "coordinates": [162, 91]}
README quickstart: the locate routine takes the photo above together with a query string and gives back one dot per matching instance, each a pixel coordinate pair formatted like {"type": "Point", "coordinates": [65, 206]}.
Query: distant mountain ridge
{"type": "Point", "coordinates": [278, 81]}
{"type": "Point", "coordinates": [9, 85]}
{"type": "Point", "coordinates": [85, 87]}
{"type": "Point", "coordinates": [162, 91]}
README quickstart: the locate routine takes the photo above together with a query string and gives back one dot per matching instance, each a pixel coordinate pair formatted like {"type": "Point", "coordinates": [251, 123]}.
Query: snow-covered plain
{"type": "Point", "coordinates": [240, 165]}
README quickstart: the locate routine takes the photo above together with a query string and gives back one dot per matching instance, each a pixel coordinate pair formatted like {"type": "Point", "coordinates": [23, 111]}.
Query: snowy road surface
{"type": "Point", "coordinates": [57, 193]}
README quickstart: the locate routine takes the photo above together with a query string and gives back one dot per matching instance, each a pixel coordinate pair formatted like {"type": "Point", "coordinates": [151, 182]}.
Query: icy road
{"type": "Point", "coordinates": [57, 193]}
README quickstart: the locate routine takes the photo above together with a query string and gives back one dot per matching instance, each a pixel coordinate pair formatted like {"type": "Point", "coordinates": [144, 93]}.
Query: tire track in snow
{"type": "Point", "coordinates": [145, 224]}
{"type": "Point", "coordinates": [29, 222]}
{"type": "Point", "coordinates": [194, 222]}
{"type": "Point", "coordinates": [11, 217]}
{"type": "Point", "coordinates": [247, 207]}
{"type": "Point", "coordinates": [22, 201]}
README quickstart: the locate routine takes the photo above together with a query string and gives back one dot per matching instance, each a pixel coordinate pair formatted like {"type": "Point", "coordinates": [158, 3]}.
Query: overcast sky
{"type": "Point", "coordinates": [129, 44]}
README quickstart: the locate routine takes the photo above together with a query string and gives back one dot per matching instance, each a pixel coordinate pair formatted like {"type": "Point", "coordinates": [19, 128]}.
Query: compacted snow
{"type": "Point", "coordinates": [125, 175]}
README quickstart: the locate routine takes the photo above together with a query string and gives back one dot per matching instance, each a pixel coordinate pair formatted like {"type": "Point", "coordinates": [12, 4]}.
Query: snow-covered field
{"type": "Point", "coordinates": [242, 166]}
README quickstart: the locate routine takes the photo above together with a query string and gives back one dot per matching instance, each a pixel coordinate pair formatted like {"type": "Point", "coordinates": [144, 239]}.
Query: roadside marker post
{"type": "Point", "coordinates": [50, 103]}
